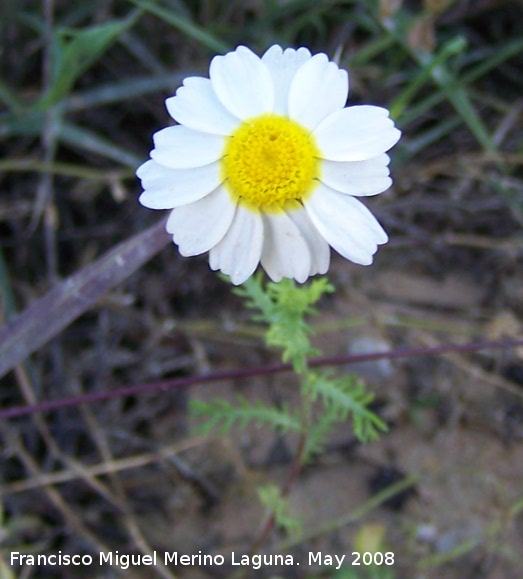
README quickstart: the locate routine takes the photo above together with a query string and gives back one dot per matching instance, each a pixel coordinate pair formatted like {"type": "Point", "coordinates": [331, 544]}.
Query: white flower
{"type": "Point", "coordinates": [265, 164]}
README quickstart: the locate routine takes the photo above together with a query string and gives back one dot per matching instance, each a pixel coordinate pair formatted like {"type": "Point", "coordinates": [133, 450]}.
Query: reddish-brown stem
{"type": "Point", "coordinates": [258, 371]}
{"type": "Point", "coordinates": [286, 489]}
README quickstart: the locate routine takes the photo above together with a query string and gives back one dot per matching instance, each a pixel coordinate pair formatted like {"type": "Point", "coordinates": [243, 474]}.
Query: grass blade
{"type": "Point", "coordinates": [187, 27]}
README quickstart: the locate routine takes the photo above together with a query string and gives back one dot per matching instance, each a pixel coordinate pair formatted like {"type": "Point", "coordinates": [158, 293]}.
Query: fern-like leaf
{"type": "Point", "coordinates": [318, 432]}
{"type": "Point", "coordinates": [347, 396]}
{"type": "Point", "coordinates": [283, 306]}
{"type": "Point", "coordinates": [272, 500]}
{"type": "Point", "coordinates": [221, 415]}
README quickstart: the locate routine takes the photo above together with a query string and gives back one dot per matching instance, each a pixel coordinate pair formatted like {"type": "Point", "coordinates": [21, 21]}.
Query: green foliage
{"type": "Point", "coordinates": [346, 396]}
{"type": "Point", "coordinates": [318, 432]}
{"type": "Point", "coordinates": [283, 306]}
{"type": "Point", "coordinates": [278, 505]}
{"type": "Point", "coordinates": [75, 51]}
{"type": "Point", "coordinates": [341, 398]}
{"type": "Point", "coordinates": [326, 399]}
{"type": "Point", "coordinates": [222, 415]}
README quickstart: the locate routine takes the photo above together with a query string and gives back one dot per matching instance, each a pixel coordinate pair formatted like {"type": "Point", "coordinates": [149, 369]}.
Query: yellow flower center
{"type": "Point", "coordinates": [270, 163]}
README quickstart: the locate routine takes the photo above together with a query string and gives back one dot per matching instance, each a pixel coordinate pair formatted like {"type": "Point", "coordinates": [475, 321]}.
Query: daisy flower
{"type": "Point", "coordinates": [266, 163]}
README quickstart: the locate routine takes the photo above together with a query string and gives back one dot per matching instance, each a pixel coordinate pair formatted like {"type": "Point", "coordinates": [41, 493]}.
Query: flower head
{"type": "Point", "coordinates": [265, 164]}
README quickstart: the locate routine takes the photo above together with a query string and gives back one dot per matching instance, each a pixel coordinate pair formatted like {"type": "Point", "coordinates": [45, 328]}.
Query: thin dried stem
{"type": "Point", "coordinates": [54, 496]}
{"type": "Point", "coordinates": [260, 371]}
{"type": "Point", "coordinates": [105, 467]}
{"type": "Point", "coordinates": [129, 519]}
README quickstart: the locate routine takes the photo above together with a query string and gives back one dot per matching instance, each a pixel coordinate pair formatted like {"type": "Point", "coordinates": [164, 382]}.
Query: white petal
{"type": "Point", "coordinates": [357, 177]}
{"type": "Point", "coordinates": [356, 134]}
{"type": "Point", "coordinates": [166, 188]}
{"type": "Point", "coordinates": [283, 65]}
{"type": "Point", "coordinates": [346, 224]}
{"type": "Point", "coordinates": [196, 106]}
{"type": "Point", "coordinates": [198, 226]}
{"type": "Point", "coordinates": [318, 89]}
{"type": "Point", "coordinates": [243, 83]}
{"type": "Point", "coordinates": [182, 148]}
{"type": "Point", "coordinates": [318, 247]}
{"type": "Point", "coordinates": [285, 251]}
{"type": "Point", "coordinates": [238, 253]}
